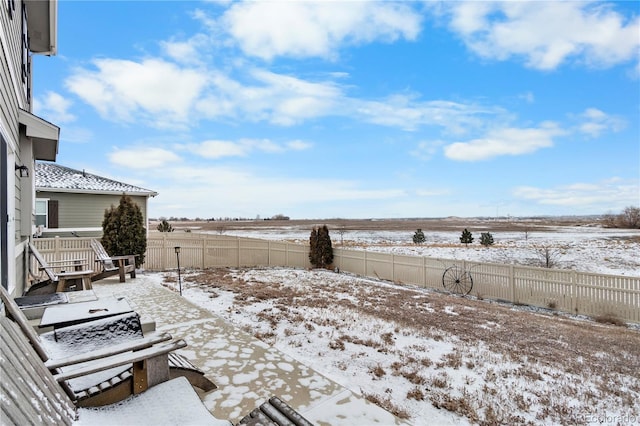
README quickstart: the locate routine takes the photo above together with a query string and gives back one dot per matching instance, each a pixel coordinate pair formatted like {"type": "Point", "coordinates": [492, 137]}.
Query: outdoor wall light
{"type": "Point", "coordinates": [177, 249]}
{"type": "Point", "coordinates": [24, 170]}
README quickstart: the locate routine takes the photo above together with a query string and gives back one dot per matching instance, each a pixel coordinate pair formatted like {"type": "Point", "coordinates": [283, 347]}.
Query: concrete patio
{"type": "Point", "coordinates": [246, 370]}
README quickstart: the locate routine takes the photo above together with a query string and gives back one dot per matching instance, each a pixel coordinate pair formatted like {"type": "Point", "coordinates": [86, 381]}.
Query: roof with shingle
{"type": "Point", "coordinates": [54, 177]}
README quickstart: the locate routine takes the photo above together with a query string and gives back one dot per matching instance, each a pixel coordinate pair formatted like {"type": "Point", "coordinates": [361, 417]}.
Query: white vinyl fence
{"type": "Point", "coordinates": [565, 290]}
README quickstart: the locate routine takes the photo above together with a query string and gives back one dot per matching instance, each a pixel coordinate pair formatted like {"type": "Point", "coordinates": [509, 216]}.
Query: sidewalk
{"type": "Point", "coordinates": [246, 370]}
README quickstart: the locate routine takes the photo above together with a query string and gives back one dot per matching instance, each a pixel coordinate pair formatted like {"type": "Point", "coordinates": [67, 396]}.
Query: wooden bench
{"type": "Point", "coordinates": [36, 390]}
{"type": "Point", "coordinates": [108, 336]}
{"type": "Point", "coordinates": [59, 281]}
{"type": "Point", "coordinates": [111, 265]}
{"type": "Point", "coordinates": [32, 395]}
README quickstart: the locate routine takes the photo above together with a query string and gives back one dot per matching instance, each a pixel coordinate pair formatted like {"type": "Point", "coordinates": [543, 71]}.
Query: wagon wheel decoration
{"type": "Point", "coordinates": [457, 280]}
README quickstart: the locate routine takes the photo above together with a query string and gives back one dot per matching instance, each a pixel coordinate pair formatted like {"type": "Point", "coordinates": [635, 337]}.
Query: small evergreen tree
{"type": "Point", "coordinates": [466, 238]}
{"type": "Point", "coordinates": [313, 247]}
{"type": "Point", "coordinates": [165, 226]}
{"type": "Point", "coordinates": [486, 239]}
{"type": "Point", "coordinates": [418, 237]}
{"type": "Point", "coordinates": [123, 230]}
{"type": "Point", "coordinates": [320, 248]}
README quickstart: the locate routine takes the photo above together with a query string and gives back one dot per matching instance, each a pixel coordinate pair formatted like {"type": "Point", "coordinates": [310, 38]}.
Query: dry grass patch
{"type": "Point", "coordinates": [387, 404]}
{"type": "Point", "coordinates": [553, 358]}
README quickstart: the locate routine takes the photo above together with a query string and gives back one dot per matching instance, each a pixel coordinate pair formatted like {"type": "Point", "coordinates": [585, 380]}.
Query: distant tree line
{"type": "Point", "coordinates": [629, 219]}
{"type": "Point", "coordinates": [219, 219]}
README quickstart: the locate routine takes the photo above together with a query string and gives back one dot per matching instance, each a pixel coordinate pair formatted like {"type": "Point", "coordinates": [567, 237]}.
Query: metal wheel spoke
{"type": "Point", "coordinates": [457, 280]}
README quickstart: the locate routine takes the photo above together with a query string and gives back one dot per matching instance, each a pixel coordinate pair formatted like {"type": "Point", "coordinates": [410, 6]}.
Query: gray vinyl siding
{"type": "Point", "coordinates": [11, 85]}
{"type": "Point", "coordinates": [12, 98]}
{"type": "Point", "coordinates": [86, 210]}
{"type": "Point", "coordinates": [12, 92]}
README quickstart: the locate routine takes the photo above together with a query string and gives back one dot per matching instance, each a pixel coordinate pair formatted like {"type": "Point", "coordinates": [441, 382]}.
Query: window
{"type": "Point", "coordinates": [42, 212]}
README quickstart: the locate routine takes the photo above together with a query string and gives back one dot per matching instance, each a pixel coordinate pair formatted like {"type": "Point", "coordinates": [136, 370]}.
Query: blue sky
{"type": "Point", "coordinates": [351, 109]}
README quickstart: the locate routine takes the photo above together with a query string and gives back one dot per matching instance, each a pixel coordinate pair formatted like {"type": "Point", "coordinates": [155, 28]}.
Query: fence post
{"type": "Point", "coordinates": [204, 253]}
{"type": "Point", "coordinates": [512, 283]}
{"type": "Point", "coordinates": [393, 268]}
{"type": "Point", "coordinates": [574, 292]}
{"type": "Point", "coordinates": [238, 252]}
{"type": "Point", "coordinates": [163, 259]}
{"type": "Point", "coordinates": [56, 250]}
{"type": "Point", "coordinates": [364, 272]}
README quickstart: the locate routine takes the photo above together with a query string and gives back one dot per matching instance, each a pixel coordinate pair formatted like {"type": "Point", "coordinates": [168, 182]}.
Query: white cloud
{"type": "Point", "coordinates": [611, 194]}
{"type": "Point", "coordinates": [143, 157]}
{"type": "Point", "coordinates": [425, 150]}
{"type": "Point", "coordinates": [123, 90]}
{"type": "Point", "coordinates": [298, 145]}
{"type": "Point", "coordinates": [595, 122]}
{"type": "Point", "coordinates": [187, 52]}
{"type": "Point", "coordinates": [408, 113]}
{"type": "Point", "coordinates": [276, 98]}
{"type": "Point", "coordinates": [506, 141]}
{"type": "Point", "coordinates": [528, 97]}
{"type": "Point", "coordinates": [315, 28]}
{"type": "Point", "coordinates": [238, 192]}
{"type": "Point", "coordinates": [54, 107]}
{"type": "Point", "coordinates": [547, 34]}
{"type": "Point", "coordinates": [215, 149]}
{"type": "Point", "coordinates": [165, 95]}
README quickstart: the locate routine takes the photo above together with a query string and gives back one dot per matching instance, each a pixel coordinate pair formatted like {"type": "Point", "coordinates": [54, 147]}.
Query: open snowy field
{"type": "Point", "coordinates": [580, 244]}
{"type": "Point", "coordinates": [430, 357]}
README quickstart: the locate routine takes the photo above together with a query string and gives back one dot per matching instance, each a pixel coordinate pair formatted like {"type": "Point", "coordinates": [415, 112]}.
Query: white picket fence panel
{"type": "Point", "coordinates": [583, 293]}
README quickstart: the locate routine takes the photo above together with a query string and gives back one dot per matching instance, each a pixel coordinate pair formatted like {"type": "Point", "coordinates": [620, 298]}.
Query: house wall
{"type": "Point", "coordinates": [14, 88]}
{"type": "Point", "coordinates": [82, 211]}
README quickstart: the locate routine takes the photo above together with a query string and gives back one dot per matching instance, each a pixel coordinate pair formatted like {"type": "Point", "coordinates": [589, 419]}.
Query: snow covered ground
{"type": "Point", "coordinates": [432, 358]}
{"type": "Point", "coordinates": [583, 248]}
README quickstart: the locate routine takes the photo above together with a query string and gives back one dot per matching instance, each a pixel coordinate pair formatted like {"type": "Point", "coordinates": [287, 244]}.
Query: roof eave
{"type": "Point", "coordinates": [96, 192]}
{"type": "Point", "coordinates": [44, 135]}
{"type": "Point", "coordinates": [42, 22]}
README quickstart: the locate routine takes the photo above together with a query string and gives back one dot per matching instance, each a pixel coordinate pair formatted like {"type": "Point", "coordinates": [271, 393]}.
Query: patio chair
{"type": "Point", "coordinates": [31, 394]}
{"type": "Point", "coordinates": [35, 391]}
{"type": "Point", "coordinates": [118, 335]}
{"type": "Point", "coordinates": [112, 265]}
{"type": "Point", "coordinates": [58, 281]}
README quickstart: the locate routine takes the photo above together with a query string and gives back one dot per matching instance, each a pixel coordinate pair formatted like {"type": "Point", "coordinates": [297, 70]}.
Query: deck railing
{"type": "Point", "coordinates": [583, 293]}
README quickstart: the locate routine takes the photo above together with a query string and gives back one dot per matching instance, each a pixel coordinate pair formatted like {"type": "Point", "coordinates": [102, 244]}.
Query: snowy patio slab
{"type": "Point", "coordinates": [246, 370]}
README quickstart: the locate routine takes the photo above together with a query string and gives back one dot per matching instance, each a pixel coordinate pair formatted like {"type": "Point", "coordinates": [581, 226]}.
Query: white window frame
{"type": "Point", "coordinates": [46, 211]}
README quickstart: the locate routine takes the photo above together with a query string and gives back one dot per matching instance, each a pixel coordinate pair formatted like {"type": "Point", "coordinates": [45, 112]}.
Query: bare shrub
{"type": "Point", "coordinates": [387, 405]}
{"type": "Point", "coordinates": [453, 360]}
{"type": "Point", "coordinates": [413, 377]}
{"type": "Point", "coordinates": [267, 336]}
{"type": "Point", "coordinates": [610, 318]}
{"type": "Point", "coordinates": [548, 256]}
{"type": "Point", "coordinates": [388, 338]}
{"type": "Point", "coordinates": [440, 381]}
{"type": "Point", "coordinates": [377, 371]}
{"type": "Point", "coordinates": [337, 344]}
{"type": "Point", "coordinates": [416, 393]}
{"type": "Point", "coordinates": [460, 405]}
